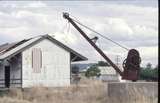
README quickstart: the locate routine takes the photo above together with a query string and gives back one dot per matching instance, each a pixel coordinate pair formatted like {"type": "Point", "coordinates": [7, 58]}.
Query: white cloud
{"type": "Point", "coordinates": [66, 38]}
{"type": "Point", "coordinates": [36, 4]}
{"type": "Point", "coordinates": [120, 26]}
{"type": "Point", "coordinates": [148, 54]}
{"type": "Point", "coordinates": [132, 25]}
{"type": "Point", "coordinates": [144, 32]}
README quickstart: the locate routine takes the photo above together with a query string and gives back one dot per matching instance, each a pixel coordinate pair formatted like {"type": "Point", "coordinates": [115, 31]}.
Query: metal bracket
{"type": "Point", "coordinates": [74, 58]}
{"type": "Point", "coordinates": [94, 39]}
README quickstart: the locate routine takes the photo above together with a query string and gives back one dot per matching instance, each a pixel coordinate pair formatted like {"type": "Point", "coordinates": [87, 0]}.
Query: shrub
{"type": "Point", "coordinates": [93, 71]}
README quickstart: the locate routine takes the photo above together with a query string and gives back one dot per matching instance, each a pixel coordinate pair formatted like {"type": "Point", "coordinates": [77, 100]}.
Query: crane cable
{"type": "Point", "coordinates": [101, 35]}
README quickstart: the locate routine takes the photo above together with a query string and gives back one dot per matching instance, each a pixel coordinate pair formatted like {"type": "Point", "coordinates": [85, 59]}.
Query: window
{"type": "Point", "coordinates": [36, 60]}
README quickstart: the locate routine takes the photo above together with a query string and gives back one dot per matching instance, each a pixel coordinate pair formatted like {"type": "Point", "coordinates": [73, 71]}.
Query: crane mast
{"type": "Point", "coordinates": [129, 75]}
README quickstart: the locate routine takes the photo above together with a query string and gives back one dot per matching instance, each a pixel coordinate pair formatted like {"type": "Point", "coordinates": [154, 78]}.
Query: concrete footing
{"type": "Point", "coordinates": [133, 92]}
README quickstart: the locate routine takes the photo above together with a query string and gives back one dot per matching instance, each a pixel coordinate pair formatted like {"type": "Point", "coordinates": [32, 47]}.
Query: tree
{"type": "Point", "coordinates": [102, 63]}
{"type": "Point", "coordinates": [155, 73]}
{"type": "Point", "coordinates": [148, 66]}
{"type": "Point", "coordinates": [93, 71]}
{"type": "Point", "coordinates": [149, 73]}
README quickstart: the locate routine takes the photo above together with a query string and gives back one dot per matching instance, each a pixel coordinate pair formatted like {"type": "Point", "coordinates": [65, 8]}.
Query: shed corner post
{"type": "Point", "coordinates": [21, 67]}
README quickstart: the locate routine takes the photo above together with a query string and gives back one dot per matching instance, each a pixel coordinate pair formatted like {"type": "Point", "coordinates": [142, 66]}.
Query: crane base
{"type": "Point", "coordinates": [130, 75]}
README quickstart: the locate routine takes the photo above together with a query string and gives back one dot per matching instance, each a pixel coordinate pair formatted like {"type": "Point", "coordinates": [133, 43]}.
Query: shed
{"type": "Point", "coordinates": [38, 61]}
{"type": "Point", "coordinates": [108, 74]}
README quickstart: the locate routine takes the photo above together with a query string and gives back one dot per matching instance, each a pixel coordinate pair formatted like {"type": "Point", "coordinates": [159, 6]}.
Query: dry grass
{"type": "Point", "coordinates": [86, 92]}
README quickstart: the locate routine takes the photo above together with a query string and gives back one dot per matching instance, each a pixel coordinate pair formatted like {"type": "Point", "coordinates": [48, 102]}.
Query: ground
{"type": "Point", "coordinates": [87, 91]}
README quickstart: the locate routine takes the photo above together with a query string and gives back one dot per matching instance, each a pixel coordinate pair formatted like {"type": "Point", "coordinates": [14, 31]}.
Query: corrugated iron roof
{"type": "Point", "coordinates": [10, 49]}
{"type": "Point", "coordinates": [5, 46]}
{"type": "Point", "coordinates": [8, 46]}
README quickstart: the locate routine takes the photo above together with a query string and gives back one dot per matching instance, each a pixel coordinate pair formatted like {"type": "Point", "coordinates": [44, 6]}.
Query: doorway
{"type": "Point", "coordinates": [7, 76]}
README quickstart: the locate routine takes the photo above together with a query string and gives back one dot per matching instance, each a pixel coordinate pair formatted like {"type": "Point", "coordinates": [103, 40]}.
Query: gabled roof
{"type": "Point", "coordinates": [11, 49]}
{"type": "Point", "coordinates": [8, 46]}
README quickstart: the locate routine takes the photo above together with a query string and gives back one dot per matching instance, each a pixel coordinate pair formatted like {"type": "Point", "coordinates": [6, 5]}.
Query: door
{"type": "Point", "coordinates": [7, 76]}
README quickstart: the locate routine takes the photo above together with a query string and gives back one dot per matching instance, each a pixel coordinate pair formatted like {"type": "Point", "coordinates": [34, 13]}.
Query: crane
{"type": "Point", "coordinates": [131, 65]}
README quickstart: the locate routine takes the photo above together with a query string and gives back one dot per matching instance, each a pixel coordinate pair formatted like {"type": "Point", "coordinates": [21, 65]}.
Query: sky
{"type": "Point", "coordinates": [134, 24]}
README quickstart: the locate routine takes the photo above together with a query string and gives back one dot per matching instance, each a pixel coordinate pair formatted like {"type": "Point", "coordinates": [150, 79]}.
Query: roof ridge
{"type": "Point", "coordinates": [34, 40]}
{"type": "Point", "coordinates": [11, 45]}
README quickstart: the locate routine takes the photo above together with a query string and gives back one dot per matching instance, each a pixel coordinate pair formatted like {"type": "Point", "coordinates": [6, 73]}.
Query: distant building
{"type": "Point", "coordinates": [39, 61]}
{"type": "Point", "coordinates": [83, 66]}
{"type": "Point", "coordinates": [108, 74]}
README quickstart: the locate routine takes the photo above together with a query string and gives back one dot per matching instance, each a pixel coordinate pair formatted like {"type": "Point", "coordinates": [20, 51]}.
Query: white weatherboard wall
{"type": "Point", "coordinates": [55, 70]}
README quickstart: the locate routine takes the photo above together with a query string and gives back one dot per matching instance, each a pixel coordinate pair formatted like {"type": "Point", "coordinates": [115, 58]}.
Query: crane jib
{"type": "Point", "coordinates": [132, 59]}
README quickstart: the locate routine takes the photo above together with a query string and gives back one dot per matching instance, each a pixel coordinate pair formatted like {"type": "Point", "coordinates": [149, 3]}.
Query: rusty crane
{"type": "Point", "coordinates": [131, 64]}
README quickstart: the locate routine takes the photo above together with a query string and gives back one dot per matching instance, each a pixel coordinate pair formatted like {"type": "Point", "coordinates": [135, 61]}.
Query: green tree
{"type": "Point", "coordinates": [102, 63]}
{"type": "Point", "coordinates": [149, 73]}
{"type": "Point", "coordinates": [149, 66]}
{"type": "Point", "coordinates": [93, 71]}
{"type": "Point", "coordinates": [155, 73]}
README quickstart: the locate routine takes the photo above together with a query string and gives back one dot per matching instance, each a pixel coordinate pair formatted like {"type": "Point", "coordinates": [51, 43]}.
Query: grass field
{"type": "Point", "coordinates": [87, 91]}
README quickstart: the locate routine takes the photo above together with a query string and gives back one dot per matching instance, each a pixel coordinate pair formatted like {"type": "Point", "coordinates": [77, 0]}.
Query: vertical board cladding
{"type": "Point", "coordinates": [54, 67]}
{"type": "Point", "coordinates": [1, 72]}
{"type": "Point", "coordinates": [1, 76]}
